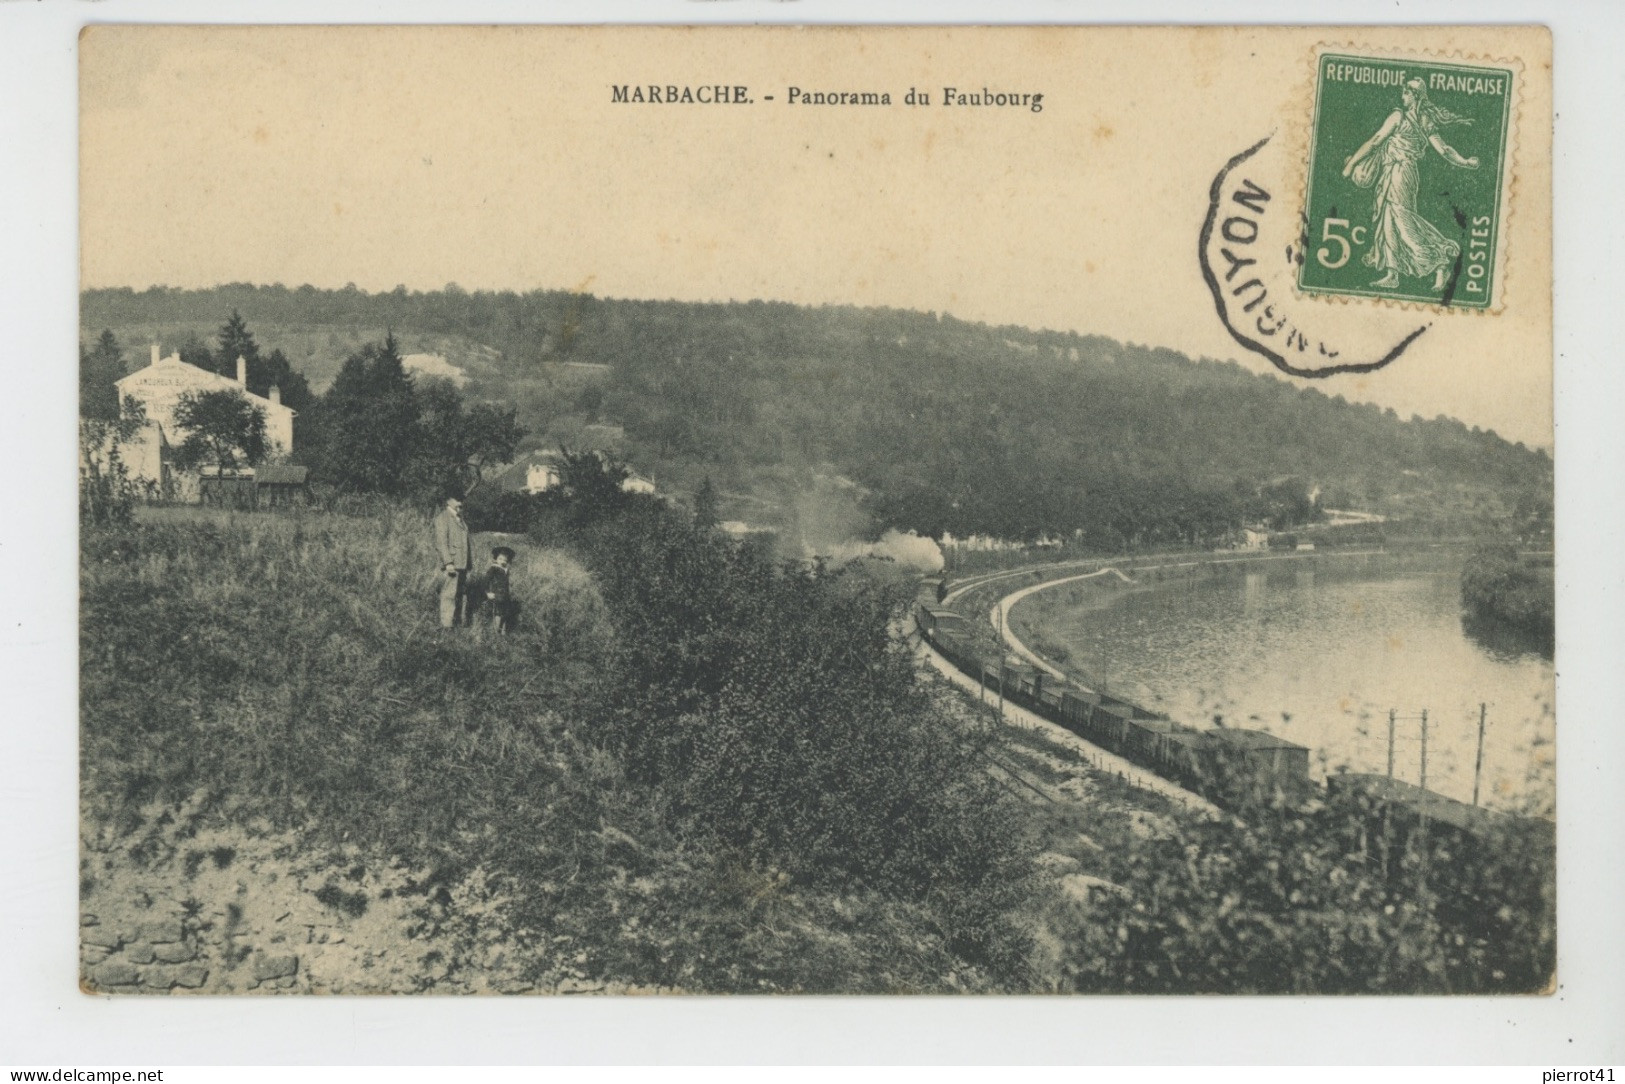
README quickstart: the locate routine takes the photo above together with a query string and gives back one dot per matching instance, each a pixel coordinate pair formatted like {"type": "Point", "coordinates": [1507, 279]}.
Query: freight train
{"type": "Point", "coordinates": [1232, 767]}
{"type": "Point", "coordinates": [1228, 766]}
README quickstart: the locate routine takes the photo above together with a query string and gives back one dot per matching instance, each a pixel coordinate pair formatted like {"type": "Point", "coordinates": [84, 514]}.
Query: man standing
{"type": "Point", "coordinates": [456, 560]}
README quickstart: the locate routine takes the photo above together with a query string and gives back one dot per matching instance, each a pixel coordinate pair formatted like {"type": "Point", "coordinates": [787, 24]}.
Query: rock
{"type": "Point", "coordinates": [579, 986]}
{"type": "Point", "coordinates": [178, 953]}
{"type": "Point", "coordinates": [1086, 889]}
{"type": "Point", "coordinates": [88, 919]}
{"type": "Point", "coordinates": [275, 967]}
{"type": "Point", "coordinates": [192, 976]}
{"type": "Point", "coordinates": [103, 936]}
{"type": "Point", "coordinates": [164, 932]}
{"type": "Point", "coordinates": [140, 953]}
{"type": "Point", "coordinates": [116, 973]}
{"type": "Point", "coordinates": [93, 954]}
{"type": "Point", "coordinates": [1054, 861]}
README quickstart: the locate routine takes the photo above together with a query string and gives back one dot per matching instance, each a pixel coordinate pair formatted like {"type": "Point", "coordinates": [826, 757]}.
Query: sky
{"type": "Point", "coordinates": [497, 159]}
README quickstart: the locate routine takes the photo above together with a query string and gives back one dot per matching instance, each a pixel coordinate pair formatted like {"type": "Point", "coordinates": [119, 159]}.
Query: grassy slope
{"type": "Point", "coordinates": [281, 679]}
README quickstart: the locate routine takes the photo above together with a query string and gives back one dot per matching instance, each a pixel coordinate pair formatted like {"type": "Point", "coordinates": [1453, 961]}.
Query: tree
{"type": "Point", "coordinates": [264, 371]}
{"type": "Point", "coordinates": [194, 351]}
{"type": "Point", "coordinates": [491, 435]}
{"type": "Point", "coordinates": [98, 370]}
{"type": "Point", "coordinates": [456, 447]}
{"type": "Point", "coordinates": [368, 431]}
{"type": "Point", "coordinates": [223, 429]}
{"type": "Point", "coordinates": [277, 371]}
{"type": "Point", "coordinates": [236, 341]}
{"type": "Point", "coordinates": [589, 488]}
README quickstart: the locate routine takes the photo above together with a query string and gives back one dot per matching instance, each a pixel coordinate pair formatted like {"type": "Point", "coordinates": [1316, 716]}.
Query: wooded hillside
{"type": "Point", "coordinates": [945, 424]}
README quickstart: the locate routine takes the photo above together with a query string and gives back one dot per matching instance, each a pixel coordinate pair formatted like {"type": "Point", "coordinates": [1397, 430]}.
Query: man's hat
{"type": "Point", "coordinates": [502, 551]}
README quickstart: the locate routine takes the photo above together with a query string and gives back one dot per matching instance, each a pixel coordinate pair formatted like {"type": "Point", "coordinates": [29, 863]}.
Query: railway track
{"type": "Point", "coordinates": [1018, 782]}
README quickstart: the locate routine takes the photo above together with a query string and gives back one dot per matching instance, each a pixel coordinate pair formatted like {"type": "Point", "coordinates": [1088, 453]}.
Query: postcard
{"type": "Point", "coordinates": [789, 510]}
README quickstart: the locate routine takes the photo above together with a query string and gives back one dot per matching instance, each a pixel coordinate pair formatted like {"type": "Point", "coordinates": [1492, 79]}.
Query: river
{"type": "Point", "coordinates": [1319, 658]}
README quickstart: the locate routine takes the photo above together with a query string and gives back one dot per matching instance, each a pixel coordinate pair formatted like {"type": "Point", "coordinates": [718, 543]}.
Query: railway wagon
{"type": "Point", "coordinates": [956, 648]}
{"type": "Point", "coordinates": [1142, 739]}
{"type": "Point", "coordinates": [938, 620]}
{"type": "Point", "coordinates": [1257, 764]}
{"type": "Point", "coordinates": [1185, 756]}
{"type": "Point", "coordinates": [1405, 812]}
{"type": "Point", "coordinates": [1134, 710]}
{"type": "Point", "coordinates": [1109, 724]}
{"type": "Point", "coordinates": [1026, 683]}
{"type": "Point", "coordinates": [1049, 695]}
{"type": "Point", "coordinates": [1077, 709]}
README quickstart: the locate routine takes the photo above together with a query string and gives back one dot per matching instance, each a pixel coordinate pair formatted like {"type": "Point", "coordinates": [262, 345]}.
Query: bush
{"type": "Point", "coordinates": [107, 493]}
{"type": "Point", "coordinates": [489, 509]}
{"type": "Point", "coordinates": [1321, 902]}
{"type": "Point", "coordinates": [773, 706]}
{"type": "Point", "coordinates": [1496, 586]}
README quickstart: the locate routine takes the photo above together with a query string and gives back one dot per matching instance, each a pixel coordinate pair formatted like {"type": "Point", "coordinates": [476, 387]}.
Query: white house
{"type": "Point", "coordinates": [542, 475]}
{"type": "Point", "coordinates": [160, 385]}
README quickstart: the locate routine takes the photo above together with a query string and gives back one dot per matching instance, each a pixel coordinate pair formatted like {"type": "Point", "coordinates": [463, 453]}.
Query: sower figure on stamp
{"type": "Point", "coordinates": [1402, 241]}
{"type": "Point", "coordinates": [456, 561]}
{"type": "Point", "coordinates": [498, 615]}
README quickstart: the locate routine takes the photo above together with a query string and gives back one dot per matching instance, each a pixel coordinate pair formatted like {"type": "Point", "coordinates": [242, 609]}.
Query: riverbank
{"type": "Point", "coordinates": [1318, 652]}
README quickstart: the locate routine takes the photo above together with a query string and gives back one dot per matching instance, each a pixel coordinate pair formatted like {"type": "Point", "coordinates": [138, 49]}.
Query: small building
{"type": "Point", "coordinates": [542, 475]}
{"type": "Point", "coordinates": [278, 484]}
{"type": "Point", "coordinates": [637, 483]}
{"type": "Point", "coordinates": [226, 488]}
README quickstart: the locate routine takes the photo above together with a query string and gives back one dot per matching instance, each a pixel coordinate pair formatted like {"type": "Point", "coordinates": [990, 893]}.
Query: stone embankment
{"type": "Point", "coordinates": [176, 908]}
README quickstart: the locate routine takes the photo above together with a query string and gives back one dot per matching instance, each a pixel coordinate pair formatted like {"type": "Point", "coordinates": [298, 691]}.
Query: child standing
{"type": "Point", "coordinates": [498, 600]}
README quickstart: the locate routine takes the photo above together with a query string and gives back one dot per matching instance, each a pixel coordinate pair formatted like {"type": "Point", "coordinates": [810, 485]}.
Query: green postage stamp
{"type": "Point", "coordinates": [1408, 171]}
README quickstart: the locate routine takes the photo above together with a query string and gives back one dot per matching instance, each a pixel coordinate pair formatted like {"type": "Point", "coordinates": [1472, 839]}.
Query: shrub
{"type": "Point", "coordinates": [1321, 902]}
{"type": "Point", "coordinates": [773, 706]}
{"type": "Point", "coordinates": [1496, 586]}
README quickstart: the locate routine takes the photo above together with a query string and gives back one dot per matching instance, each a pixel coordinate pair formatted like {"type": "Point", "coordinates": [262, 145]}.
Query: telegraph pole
{"type": "Point", "coordinates": [1424, 781]}
{"type": "Point", "coordinates": [1478, 764]}
{"type": "Point", "coordinates": [1391, 713]}
{"type": "Point", "coordinates": [1003, 657]}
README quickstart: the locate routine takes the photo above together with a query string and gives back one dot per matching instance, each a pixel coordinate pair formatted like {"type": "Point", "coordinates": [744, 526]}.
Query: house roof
{"type": "Point", "coordinates": [284, 474]}
{"type": "Point", "coordinates": [203, 377]}
{"type": "Point", "coordinates": [1251, 739]}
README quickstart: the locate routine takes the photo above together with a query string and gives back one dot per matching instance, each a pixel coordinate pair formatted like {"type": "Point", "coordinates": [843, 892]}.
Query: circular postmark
{"type": "Point", "coordinates": [1252, 245]}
